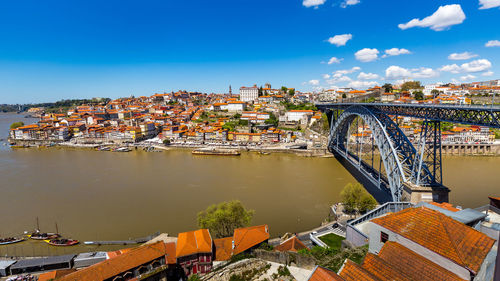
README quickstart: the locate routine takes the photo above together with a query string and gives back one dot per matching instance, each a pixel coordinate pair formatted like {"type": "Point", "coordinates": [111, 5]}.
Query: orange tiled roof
{"type": "Point", "coordinates": [353, 272]}
{"type": "Point", "coordinates": [413, 265]}
{"type": "Point", "coordinates": [441, 234]}
{"type": "Point", "coordinates": [292, 244]}
{"type": "Point", "coordinates": [54, 274]}
{"type": "Point", "coordinates": [111, 267]}
{"type": "Point", "coordinates": [223, 248]}
{"type": "Point", "coordinates": [247, 237]}
{"type": "Point", "coordinates": [192, 242]}
{"type": "Point", "coordinates": [322, 274]}
{"type": "Point", "coordinates": [382, 269]}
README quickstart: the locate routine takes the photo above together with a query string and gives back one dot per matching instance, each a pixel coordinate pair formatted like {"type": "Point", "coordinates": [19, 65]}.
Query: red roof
{"type": "Point", "coordinates": [441, 234]}
{"type": "Point", "coordinates": [292, 244]}
{"type": "Point", "coordinates": [322, 274]}
{"type": "Point", "coordinates": [223, 248]}
{"type": "Point", "coordinates": [354, 272]}
{"type": "Point", "coordinates": [412, 265]}
{"type": "Point", "coordinates": [192, 242]}
{"type": "Point", "coordinates": [247, 237]}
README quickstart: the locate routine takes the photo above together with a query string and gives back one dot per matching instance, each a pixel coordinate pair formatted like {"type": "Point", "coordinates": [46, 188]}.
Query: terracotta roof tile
{"type": "Point", "coordinates": [382, 269]}
{"type": "Point", "coordinates": [441, 234]}
{"type": "Point", "coordinates": [414, 266]}
{"type": "Point", "coordinates": [112, 267]}
{"type": "Point", "coordinates": [223, 248]}
{"type": "Point", "coordinates": [354, 272]}
{"type": "Point", "coordinates": [291, 244]}
{"type": "Point", "coordinates": [192, 242]}
{"type": "Point", "coordinates": [247, 237]}
{"type": "Point", "coordinates": [322, 274]}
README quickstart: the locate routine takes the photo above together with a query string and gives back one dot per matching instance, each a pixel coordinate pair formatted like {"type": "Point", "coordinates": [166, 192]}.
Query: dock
{"type": "Point", "coordinates": [123, 242]}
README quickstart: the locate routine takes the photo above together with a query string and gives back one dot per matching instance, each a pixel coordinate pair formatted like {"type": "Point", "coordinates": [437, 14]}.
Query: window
{"type": "Point", "coordinates": [383, 237]}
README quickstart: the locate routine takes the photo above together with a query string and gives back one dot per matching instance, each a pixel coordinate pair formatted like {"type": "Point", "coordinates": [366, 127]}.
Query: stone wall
{"type": "Point", "coordinates": [287, 258]}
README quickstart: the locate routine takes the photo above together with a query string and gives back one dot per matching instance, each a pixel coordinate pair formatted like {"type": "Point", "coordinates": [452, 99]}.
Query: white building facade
{"type": "Point", "coordinates": [248, 94]}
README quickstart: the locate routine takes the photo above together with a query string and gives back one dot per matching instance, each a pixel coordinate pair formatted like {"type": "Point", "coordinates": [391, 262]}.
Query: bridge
{"type": "Point", "coordinates": [406, 172]}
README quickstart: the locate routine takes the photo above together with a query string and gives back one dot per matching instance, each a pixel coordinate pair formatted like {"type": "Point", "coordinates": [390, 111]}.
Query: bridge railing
{"type": "Point", "coordinates": [474, 106]}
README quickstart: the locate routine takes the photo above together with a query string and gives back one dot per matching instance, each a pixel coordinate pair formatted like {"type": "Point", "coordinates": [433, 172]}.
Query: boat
{"type": "Point", "coordinates": [264, 153]}
{"type": "Point", "coordinates": [37, 235]}
{"type": "Point", "coordinates": [10, 240]}
{"type": "Point", "coordinates": [62, 242]}
{"type": "Point", "coordinates": [122, 149]}
{"type": "Point", "coordinates": [215, 151]}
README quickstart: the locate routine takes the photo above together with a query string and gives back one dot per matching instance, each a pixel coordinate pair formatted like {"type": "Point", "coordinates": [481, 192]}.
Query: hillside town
{"type": "Point", "coordinates": [256, 116]}
{"type": "Point", "coordinates": [395, 241]}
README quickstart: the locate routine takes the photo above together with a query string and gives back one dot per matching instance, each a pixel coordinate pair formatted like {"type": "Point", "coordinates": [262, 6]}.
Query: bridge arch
{"type": "Point", "coordinates": [397, 153]}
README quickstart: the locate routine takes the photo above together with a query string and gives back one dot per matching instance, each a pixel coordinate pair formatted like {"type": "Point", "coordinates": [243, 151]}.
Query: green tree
{"type": "Point", "coordinates": [166, 141]}
{"type": "Point", "coordinates": [419, 95]}
{"type": "Point", "coordinates": [272, 120]}
{"type": "Point", "coordinates": [435, 93]}
{"type": "Point", "coordinates": [411, 85]}
{"type": "Point", "coordinates": [194, 277]}
{"type": "Point", "coordinates": [284, 89]}
{"type": "Point", "coordinates": [387, 88]}
{"type": "Point", "coordinates": [344, 96]}
{"type": "Point", "coordinates": [291, 92]}
{"type": "Point", "coordinates": [356, 198]}
{"type": "Point", "coordinates": [224, 218]}
{"type": "Point", "coordinates": [16, 125]}
{"type": "Point", "coordinates": [237, 116]}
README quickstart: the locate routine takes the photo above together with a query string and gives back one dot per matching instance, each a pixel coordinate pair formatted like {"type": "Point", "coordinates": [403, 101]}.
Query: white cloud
{"type": "Point", "coordinates": [334, 60]}
{"type": "Point", "coordinates": [397, 72]}
{"type": "Point", "coordinates": [339, 73]}
{"type": "Point", "coordinates": [488, 73]}
{"type": "Point", "coordinates": [488, 4]}
{"type": "Point", "coordinates": [313, 3]}
{"type": "Point", "coordinates": [366, 55]}
{"type": "Point", "coordinates": [349, 3]}
{"type": "Point", "coordinates": [493, 43]}
{"type": "Point", "coordinates": [362, 84]}
{"type": "Point", "coordinates": [443, 18]}
{"type": "Point", "coordinates": [340, 40]}
{"type": "Point", "coordinates": [453, 68]}
{"type": "Point", "coordinates": [461, 56]}
{"type": "Point", "coordinates": [476, 65]}
{"type": "Point", "coordinates": [314, 82]}
{"type": "Point", "coordinates": [424, 72]}
{"type": "Point", "coordinates": [338, 79]}
{"type": "Point", "coordinates": [368, 76]}
{"type": "Point", "coordinates": [326, 76]}
{"type": "Point", "coordinates": [473, 66]}
{"type": "Point", "coordinates": [467, 77]}
{"type": "Point", "coordinates": [395, 52]}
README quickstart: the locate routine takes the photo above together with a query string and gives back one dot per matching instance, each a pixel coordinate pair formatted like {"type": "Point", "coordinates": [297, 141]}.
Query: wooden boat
{"type": "Point", "coordinates": [214, 151]}
{"type": "Point", "coordinates": [10, 240]}
{"type": "Point", "coordinates": [37, 235]}
{"type": "Point", "coordinates": [62, 242]}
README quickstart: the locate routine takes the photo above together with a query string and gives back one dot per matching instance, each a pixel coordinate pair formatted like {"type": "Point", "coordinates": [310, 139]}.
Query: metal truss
{"type": "Point", "coordinates": [472, 115]}
{"type": "Point", "coordinates": [429, 152]}
{"type": "Point", "coordinates": [396, 151]}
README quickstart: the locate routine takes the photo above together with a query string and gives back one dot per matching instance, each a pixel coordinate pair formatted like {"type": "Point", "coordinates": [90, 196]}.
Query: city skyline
{"type": "Point", "coordinates": [58, 50]}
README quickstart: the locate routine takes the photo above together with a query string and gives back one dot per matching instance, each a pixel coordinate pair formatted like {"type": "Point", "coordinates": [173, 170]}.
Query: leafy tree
{"type": "Point", "coordinates": [166, 141]}
{"type": "Point", "coordinates": [419, 95]}
{"type": "Point", "coordinates": [344, 96]}
{"type": "Point", "coordinates": [387, 88]}
{"type": "Point", "coordinates": [16, 125]}
{"type": "Point", "coordinates": [261, 92]}
{"type": "Point", "coordinates": [272, 120]}
{"type": "Point", "coordinates": [435, 93]}
{"type": "Point", "coordinates": [411, 85]}
{"type": "Point", "coordinates": [291, 92]}
{"type": "Point", "coordinates": [284, 89]}
{"type": "Point", "coordinates": [356, 198]}
{"type": "Point", "coordinates": [224, 218]}
{"type": "Point", "coordinates": [194, 277]}
{"type": "Point", "coordinates": [237, 116]}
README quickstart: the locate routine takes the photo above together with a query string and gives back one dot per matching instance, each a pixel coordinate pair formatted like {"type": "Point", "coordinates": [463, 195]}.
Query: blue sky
{"type": "Point", "coordinates": [50, 50]}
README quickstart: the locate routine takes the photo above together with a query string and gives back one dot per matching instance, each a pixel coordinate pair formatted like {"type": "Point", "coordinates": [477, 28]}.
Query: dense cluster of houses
{"type": "Point", "coordinates": [179, 117]}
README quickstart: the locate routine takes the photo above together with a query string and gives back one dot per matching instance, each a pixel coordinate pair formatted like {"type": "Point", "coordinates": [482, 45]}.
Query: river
{"type": "Point", "coordinates": [96, 195]}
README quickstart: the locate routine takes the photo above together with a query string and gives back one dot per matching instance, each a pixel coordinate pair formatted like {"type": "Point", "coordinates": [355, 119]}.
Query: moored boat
{"type": "Point", "coordinates": [122, 149]}
{"type": "Point", "coordinates": [62, 242]}
{"type": "Point", "coordinates": [10, 240]}
{"type": "Point", "coordinates": [214, 151]}
{"type": "Point", "coordinates": [37, 235]}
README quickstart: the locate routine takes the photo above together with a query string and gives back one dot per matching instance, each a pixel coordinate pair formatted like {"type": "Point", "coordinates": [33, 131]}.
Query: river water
{"type": "Point", "coordinates": [96, 195]}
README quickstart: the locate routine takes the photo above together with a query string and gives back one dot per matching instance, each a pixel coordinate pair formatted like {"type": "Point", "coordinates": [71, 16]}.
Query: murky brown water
{"type": "Point", "coordinates": [95, 195]}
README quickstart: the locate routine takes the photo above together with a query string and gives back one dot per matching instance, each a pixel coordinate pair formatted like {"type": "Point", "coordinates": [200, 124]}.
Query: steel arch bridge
{"type": "Point", "coordinates": [404, 164]}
